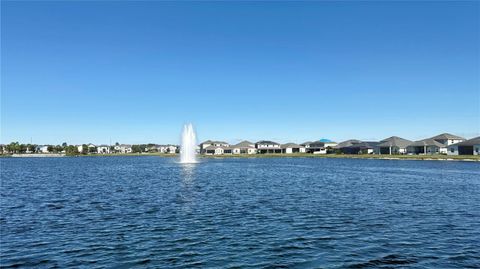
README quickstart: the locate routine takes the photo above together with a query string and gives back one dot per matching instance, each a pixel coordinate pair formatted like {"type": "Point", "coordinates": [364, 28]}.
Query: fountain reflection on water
{"type": "Point", "coordinates": [189, 145]}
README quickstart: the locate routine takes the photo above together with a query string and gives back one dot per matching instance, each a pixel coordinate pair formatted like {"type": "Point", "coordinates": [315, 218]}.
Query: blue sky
{"type": "Point", "coordinates": [135, 72]}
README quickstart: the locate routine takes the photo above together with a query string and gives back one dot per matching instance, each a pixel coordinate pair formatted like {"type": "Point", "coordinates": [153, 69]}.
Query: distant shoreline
{"type": "Point", "coordinates": [471, 158]}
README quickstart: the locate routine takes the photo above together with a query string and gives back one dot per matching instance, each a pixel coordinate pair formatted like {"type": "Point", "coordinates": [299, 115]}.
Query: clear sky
{"type": "Point", "coordinates": [135, 72]}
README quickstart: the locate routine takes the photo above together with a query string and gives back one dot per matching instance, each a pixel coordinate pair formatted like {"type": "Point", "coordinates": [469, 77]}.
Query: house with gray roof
{"type": "Point", "coordinates": [347, 143]}
{"type": "Point", "coordinates": [244, 147]}
{"type": "Point", "coordinates": [363, 147]}
{"type": "Point", "coordinates": [290, 148]}
{"type": "Point", "coordinates": [320, 147]}
{"type": "Point", "coordinates": [214, 150]}
{"type": "Point", "coordinates": [393, 145]}
{"type": "Point", "coordinates": [467, 147]}
{"type": "Point", "coordinates": [265, 146]}
{"type": "Point", "coordinates": [103, 149]}
{"type": "Point", "coordinates": [204, 145]}
{"type": "Point", "coordinates": [425, 146]}
{"type": "Point", "coordinates": [447, 139]}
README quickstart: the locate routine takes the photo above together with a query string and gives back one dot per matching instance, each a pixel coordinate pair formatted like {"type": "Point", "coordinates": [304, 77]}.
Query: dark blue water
{"type": "Point", "coordinates": [150, 212]}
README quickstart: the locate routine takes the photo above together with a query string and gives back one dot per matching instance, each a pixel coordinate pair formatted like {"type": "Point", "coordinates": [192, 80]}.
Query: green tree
{"type": "Point", "coordinates": [50, 148]}
{"type": "Point", "coordinates": [64, 144]}
{"type": "Point", "coordinates": [84, 149]}
{"type": "Point", "coordinates": [71, 150]}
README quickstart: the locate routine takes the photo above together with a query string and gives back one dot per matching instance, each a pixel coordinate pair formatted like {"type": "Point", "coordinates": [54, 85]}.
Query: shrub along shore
{"type": "Point", "coordinates": [293, 155]}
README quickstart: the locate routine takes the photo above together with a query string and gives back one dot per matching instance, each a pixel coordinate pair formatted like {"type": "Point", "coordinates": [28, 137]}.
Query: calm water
{"type": "Point", "coordinates": [150, 212]}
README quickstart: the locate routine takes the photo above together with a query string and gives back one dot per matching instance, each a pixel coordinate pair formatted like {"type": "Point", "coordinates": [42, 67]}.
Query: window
{"type": "Point", "coordinates": [452, 150]}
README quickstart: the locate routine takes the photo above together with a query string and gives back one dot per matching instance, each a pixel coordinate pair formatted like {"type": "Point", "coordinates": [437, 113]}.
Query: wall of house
{"type": "Point", "coordinates": [454, 141]}
{"type": "Point", "coordinates": [452, 150]}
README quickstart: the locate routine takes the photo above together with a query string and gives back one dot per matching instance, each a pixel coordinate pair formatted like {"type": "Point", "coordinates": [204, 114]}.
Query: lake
{"type": "Point", "coordinates": [151, 212]}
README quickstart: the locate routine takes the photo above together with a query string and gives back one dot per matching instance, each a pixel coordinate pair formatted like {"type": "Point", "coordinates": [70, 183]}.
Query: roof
{"type": "Point", "coordinates": [267, 142]}
{"type": "Point", "coordinates": [347, 143]}
{"type": "Point", "coordinates": [325, 140]}
{"type": "Point", "coordinates": [395, 141]}
{"type": "Point", "coordinates": [469, 142]}
{"type": "Point", "coordinates": [213, 142]}
{"type": "Point", "coordinates": [446, 136]}
{"type": "Point", "coordinates": [244, 144]}
{"type": "Point", "coordinates": [426, 142]}
{"type": "Point", "coordinates": [306, 143]}
{"type": "Point", "coordinates": [364, 145]}
{"type": "Point", "coordinates": [291, 145]}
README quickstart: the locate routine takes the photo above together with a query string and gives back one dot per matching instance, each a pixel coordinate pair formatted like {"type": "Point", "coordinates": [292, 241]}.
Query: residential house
{"type": "Point", "coordinates": [265, 146]}
{"type": "Point", "coordinates": [364, 147]}
{"type": "Point", "coordinates": [467, 147]}
{"type": "Point", "coordinates": [171, 149]}
{"type": "Point", "coordinates": [289, 148]}
{"type": "Point", "coordinates": [320, 146]}
{"type": "Point", "coordinates": [42, 149]}
{"type": "Point", "coordinates": [306, 145]}
{"type": "Point", "coordinates": [393, 145]}
{"type": "Point", "coordinates": [103, 149]}
{"type": "Point", "coordinates": [244, 147]}
{"type": "Point", "coordinates": [426, 146]}
{"type": "Point", "coordinates": [123, 148]}
{"type": "Point", "coordinates": [447, 139]}
{"type": "Point", "coordinates": [214, 150]}
{"type": "Point", "coordinates": [209, 143]}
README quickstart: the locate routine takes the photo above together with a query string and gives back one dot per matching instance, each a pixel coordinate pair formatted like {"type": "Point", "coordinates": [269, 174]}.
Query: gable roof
{"type": "Point", "coordinates": [446, 136]}
{"type": "Point", "coordinates": [364, 145]}
{"type": "Point", "coordinates": [347, 143]}
{"type": "Point", "coordinates": [244, 144]}
{"type": "Point", "coordinates": [395, 141]}
{"type": "Point", "coordinates": [291, 145]}
{"type": "Point", "coordinates": [469, 142]}
{"type": "Point", "coordinates": [214, 142]}
{"type": "Point", "coordinates": [267, 142]}
{"type": "Point", "coordinates": [426, 142]}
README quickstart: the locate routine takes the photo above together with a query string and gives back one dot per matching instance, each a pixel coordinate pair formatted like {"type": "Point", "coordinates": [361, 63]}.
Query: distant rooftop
{"type": "Point", "coordinates": [446, 136]}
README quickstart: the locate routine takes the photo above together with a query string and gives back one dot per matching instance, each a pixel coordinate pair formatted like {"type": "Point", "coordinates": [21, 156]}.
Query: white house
{"type": "Point", "coordinates": [103, 149]}
{"type": "Point", "coordinates": [214, 150]}
{"type": "Point", "coordinates": [167, 149]}
{"type": "Point", "coordinates": [42, 149]}
{"type": "Point", "coordinates": [447, 139]}
{"type": "Point", "coordinates": [265, 146]}
{"type": "Point", "coordinates": [244, 147]}
{"type": "Point", "coordinates": [467, 147]}
{"type": "Point", "coordinates": [123, 148]}
{"type": "Point", "coordinates": [209, 143]}
{"type": "Point", "coordinates": [290, 148]}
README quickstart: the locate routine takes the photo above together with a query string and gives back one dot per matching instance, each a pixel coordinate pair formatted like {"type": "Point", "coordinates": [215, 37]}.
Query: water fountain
{"type": "Point", "coordinates": [188, 148]}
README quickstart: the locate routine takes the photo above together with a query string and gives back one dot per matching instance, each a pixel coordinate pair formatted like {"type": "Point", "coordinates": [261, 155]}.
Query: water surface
{"type": "Point", "coordinates": [151, 212]}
